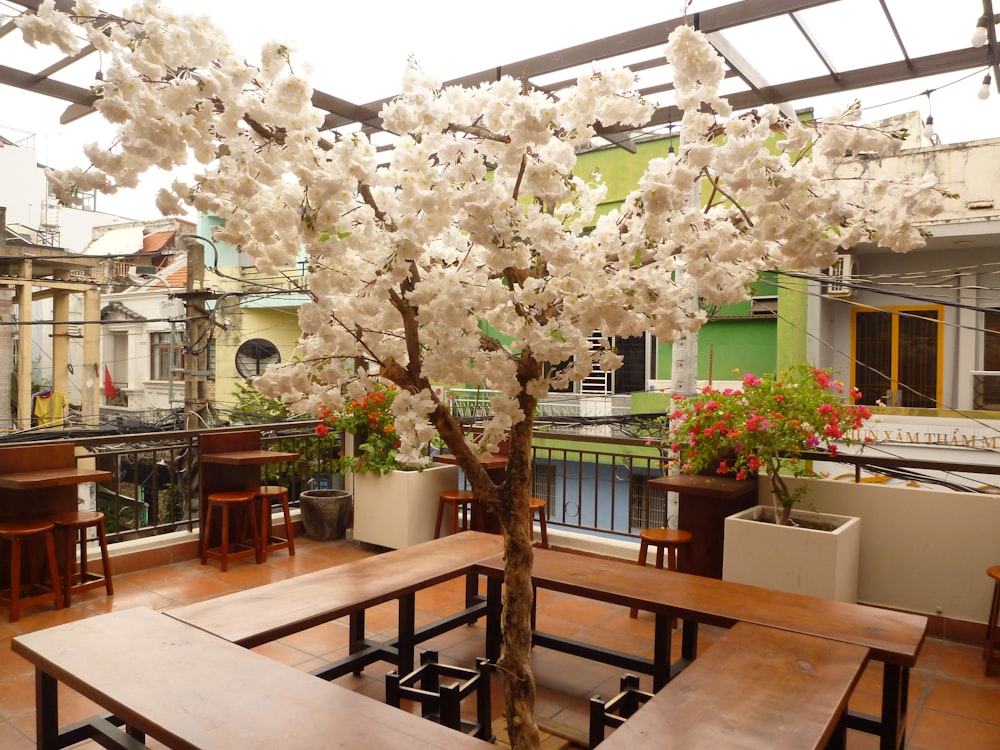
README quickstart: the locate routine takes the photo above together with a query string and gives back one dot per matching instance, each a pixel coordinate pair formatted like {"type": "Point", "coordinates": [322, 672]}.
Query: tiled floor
{"type": "Point", "coordinates": [952, 705]}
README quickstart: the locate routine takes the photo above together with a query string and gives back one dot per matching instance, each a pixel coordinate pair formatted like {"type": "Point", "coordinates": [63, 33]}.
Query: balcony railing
{"type": "Point", "coordinates": [154, 484]}
{"type": "Point", "coordinates": [592, 484]}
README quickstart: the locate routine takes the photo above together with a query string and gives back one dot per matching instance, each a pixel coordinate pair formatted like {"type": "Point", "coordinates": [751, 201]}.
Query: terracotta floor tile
{"type": "Point", "coordinates": [963, 699]}
{"type": "Point", "coordinates": [578, 610]}
{"type": "Point", "coordinates": [17, 697]}
{"type": "Point", "coordinates": [440, 599]}
{"type": "Point", "coordinates": [952, 705]}
{"type": "Point", "coordinates": [936, 730]}
{"type": "Point", "coordinates": [11, 738]}
{"type": "Point", "coordinates": [319, 639]}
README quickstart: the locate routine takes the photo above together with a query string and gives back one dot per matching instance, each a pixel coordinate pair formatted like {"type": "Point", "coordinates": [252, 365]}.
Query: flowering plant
{"type": "Point", "coordinates": [372, 422]}
{"type": "Point", "coordinates": [765, 426]}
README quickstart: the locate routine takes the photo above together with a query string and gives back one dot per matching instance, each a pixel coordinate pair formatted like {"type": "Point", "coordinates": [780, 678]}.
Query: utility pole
{"type": "Point", "coordinates": [198, 334]}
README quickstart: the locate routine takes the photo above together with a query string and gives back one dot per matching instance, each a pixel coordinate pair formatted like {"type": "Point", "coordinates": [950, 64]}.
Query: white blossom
{"type": "Point", "coordinates": [476, 222]}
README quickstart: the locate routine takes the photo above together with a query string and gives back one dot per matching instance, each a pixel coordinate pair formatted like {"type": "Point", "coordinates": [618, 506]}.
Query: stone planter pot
{"type": "Point", "coordinates": [398, 509]}
{"type": "Point", "coordinates": [326, 514]}
{"type": "Point", "coordinates": [820, 557]}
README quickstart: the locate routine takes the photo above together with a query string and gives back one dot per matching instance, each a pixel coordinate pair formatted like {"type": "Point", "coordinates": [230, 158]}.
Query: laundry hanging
{"type": "Point", "coordinates": [49, 408]}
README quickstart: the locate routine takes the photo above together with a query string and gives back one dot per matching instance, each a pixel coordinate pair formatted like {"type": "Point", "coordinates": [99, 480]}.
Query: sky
{"type": "Point", "coordinates": [358, 51]}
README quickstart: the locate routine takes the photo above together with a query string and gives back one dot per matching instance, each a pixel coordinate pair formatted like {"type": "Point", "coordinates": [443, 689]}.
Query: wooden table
{"type": "Point", "coordinates": [755, 687]}
{"type": "Point", "coordinates": [234, 460]}
{"type": "Point", "coordinates": [266, 613]}
{"type": "Point", "coordinates": [188, 689]}
{"type": "Point", "coordinates": [893, 638]}
{"type": "Point", "coordinates": [703, 504]}
{"type": "Point", "coordinates": [38, 481]}
{"type": "Point", "coordinates": [496, 467]}
{"type": "Point", "coordinates": [248, 458]}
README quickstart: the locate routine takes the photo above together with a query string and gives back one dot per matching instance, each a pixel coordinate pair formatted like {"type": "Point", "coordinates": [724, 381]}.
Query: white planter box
{"type": "Point", "coordinates": [799, 560]}
{"type": "Point", "coordinates": [398, 509]}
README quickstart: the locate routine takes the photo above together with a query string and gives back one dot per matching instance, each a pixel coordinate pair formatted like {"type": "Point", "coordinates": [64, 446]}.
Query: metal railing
{"type": "Point", "coordinates": [154, 476]}
{"type": "Point", "coordinates": [593, 484]}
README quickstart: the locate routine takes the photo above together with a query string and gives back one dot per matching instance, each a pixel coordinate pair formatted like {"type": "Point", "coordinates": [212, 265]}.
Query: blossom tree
{"type": "Point", "coordinates": [473, 222]}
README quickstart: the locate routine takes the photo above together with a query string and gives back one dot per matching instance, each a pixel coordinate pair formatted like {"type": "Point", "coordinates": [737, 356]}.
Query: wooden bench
{"type": "Point", "coordinates": [754, 687]}
{"type": "Point", "coordinates": [266, 613]}
{"type": "Point", "coordinates": [187, 689]}
{"type": "Point", "coordinates": [893, 638]}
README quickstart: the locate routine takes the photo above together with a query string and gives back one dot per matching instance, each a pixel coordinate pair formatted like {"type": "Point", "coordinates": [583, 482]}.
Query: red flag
{"type": "Point", "coordinates": [109, 386]}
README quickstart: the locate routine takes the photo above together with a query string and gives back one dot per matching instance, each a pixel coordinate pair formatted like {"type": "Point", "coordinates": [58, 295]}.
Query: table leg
{"type": "Point", "coordinates": [689, 639]}
{"type": "Point", "coordinates": [471, 589]}
{"type": "Point", "coordinates": [494, 604]}
{"type": "Point", "coordinates": [895, 689]}
{"type": "Point", "coordinates": [661, 650]}
{"type": "Point", "coordinates": [356, 634]}
{"type": "Point", "coordinates": [46, 711]}
{"type": "Point", "coordinates": [406, 643]}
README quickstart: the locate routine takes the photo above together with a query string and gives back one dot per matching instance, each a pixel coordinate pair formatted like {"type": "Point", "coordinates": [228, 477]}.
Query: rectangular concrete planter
{"type": "Point", "coordinates": [398, 509]}
{"type": "Point", "coordinates": [815, 561]}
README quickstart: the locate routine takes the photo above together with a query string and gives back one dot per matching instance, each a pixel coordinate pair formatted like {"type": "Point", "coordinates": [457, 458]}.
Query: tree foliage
{"type": "Point", "coordinates": [474, 219]}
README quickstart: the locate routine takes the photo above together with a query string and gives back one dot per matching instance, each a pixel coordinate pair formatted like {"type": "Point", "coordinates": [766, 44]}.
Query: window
{"type": "Point", "coordinates": [253, 357]}
{"type": "Point", "coordinates": [897, 356]}
{"type": "Point", "coordinates": [639, 365]}
{"type": "Point", "coordinates": [160, 360]}
{"type": "Point", "coordinates": [986, 386]}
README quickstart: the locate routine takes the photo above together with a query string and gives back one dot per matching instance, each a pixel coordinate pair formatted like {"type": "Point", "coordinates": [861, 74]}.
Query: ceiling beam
{"type": "Point", "coordinates": [945, 62]}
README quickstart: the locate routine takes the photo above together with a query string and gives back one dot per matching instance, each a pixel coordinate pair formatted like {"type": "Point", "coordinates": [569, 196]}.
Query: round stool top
{"type": "Point", "coordinates": [666, 536]}
{"type": "Point", "coordinates": [458, 496]}
{"type": "Point", "coordinates": [231, 497]}
{"type": "Point", "coordinates": [77, 518]}
{"type": "Point", "coordinates": [536, 502]}
{"type": "Point", "coordinates": [994, 572]}
{"type": "Point", "coordinates": [272, 489]}
{"type": "Point", "coordinates": [25, 527]}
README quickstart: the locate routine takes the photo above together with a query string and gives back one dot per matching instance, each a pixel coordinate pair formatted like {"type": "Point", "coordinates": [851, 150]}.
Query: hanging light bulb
{"type": "Point", "coordinates": [929, 133]}
{"type": "Point", "coordinates": [984, 90]}
{"type": "Point", "coordinates": [979, 35]}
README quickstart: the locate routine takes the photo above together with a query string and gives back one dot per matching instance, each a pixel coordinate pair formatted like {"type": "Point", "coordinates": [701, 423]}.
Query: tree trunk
{"type": "Point", "coordinates": [515, 655]}
{"type": "Point", "coordinates": [780, 495]}
{"type": "Point", "coordinates": [509, 501]}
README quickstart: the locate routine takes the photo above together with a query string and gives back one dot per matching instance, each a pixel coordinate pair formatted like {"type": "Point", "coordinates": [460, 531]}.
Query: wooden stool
{"type": "Point", "coordinates": [993, 626]}
{"type": "Point", "coordinates": [539, 507]}
{"type": "Point", "coordinates": [75, 525]}
{"type": "Point", "coordinates": [16, 532]}
{"type": "Point", "coordinates": [456, 499]}
{"type": "Point", "coordinates": [226, 551]}
{"type": "Point", "coordinates": [669, 539]}
{"type": "Point", "coordinates": [267, 494]}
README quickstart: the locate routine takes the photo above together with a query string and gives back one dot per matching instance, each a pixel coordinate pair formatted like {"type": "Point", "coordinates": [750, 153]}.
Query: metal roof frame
{"type": "Point", "coordinates": [713, 22]}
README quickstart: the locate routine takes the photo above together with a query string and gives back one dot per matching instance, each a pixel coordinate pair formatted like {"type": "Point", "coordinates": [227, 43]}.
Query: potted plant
{"type": "Point", "coordinates": [395, 504]}
{"type": "Point", "coordinates": [766, 426]}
